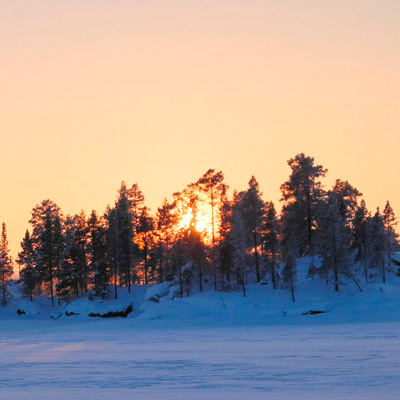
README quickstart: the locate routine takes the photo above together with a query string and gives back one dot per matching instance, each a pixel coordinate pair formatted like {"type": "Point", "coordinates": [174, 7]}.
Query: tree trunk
{"type": "Point", "coordinates": [256, 255]}
{"type": "Point", "coordinates": [200, 277]}
{"type": "Point", "coordinates": [243, 285]}
{"type": "Point", "coordinates": [292, 285]}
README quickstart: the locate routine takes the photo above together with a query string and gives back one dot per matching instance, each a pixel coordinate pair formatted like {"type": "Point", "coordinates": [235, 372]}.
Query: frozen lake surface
{"type": "Point", "coordinates": [125, 359]}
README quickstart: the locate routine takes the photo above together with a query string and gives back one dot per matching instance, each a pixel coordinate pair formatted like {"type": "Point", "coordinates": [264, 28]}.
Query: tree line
{"type": "Point", "coordinates": [205, 238]}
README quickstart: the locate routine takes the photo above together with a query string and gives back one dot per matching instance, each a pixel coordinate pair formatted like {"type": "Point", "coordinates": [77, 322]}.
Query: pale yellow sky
{"type": "Point", "coordinates": [156, 92]}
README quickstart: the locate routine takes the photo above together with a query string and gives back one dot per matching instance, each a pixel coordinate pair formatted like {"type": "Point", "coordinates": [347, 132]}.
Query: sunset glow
{"type": "Point", "coordinates": [156, 92]}
{"type": "Point", "coordinates": [203, 224]}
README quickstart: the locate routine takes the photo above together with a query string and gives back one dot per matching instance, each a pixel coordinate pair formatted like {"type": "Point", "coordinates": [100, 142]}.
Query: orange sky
{"type": "Point", "coordinates": [156, 92]}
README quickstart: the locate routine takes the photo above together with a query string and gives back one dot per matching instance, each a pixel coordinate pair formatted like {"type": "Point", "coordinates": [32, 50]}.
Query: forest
{"type": "Point", "coordinates": [204, 239]}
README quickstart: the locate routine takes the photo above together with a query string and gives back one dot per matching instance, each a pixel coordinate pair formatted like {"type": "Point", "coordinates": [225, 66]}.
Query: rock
{"type": "Point", "coordinates": [70, 314]}
{"type": "Point", "coordinates": [114, 314]}
{"type": "Point", "coordinates": [314, 312]}
{"type": "Point", "coordinates": [156, 292]}
{"type": "Point", "coordinates": [56, 315]}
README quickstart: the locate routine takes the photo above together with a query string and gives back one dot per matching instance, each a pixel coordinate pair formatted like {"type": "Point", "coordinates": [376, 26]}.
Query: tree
{"type": "Point", "coordinates": [360, 237]}
{"type": "Point", "coordinates": [289, 272]}
{"type": "Point", "coordinates": [144, 239]}
{"type": "Point", "coordinates": [125, 234]}
{"type": "Point", "coordinates": [164, 225]}
{"type": "Point", "coordinates": [347, 196]}
{"type": "Point", "coordinates": [96, 250]}
{"type": "Point", "coordinates": [6, 264]}
{"type": "Point", "coordinates": [73, 275]}
{"type": "Point", "coordinates": [112, 234]}
{"type": "Point", "coordinates": [212, 183]}
{"type": "Point", "coordinates": [390, 222]}
{"type": "Point", "coordinates": [378, 243]}
{"type": "Point", "coordinates": [239, 239]}
{"type": "Point", "coordinates": [47, 240]}
{"type": "Point", "coordinates": [335, 244]}
{"type": "Point", "coordinates": [26, 260]}
{"type": "Point", "coordinates": [302, 195]}
{"type": "Point", "coordinates": [225, 246]}
{"type": "Point", "coordinates": [271, 239]}
{"type": "Point", "coordinates": [253, 210]}
{"type": "Point", "coordinates": [195, 245]}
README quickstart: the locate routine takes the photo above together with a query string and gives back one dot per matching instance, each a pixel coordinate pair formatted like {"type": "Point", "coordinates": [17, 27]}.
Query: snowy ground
{"type": "Point", "coordinates": [127, 359]}
{"type": "Point", "coordinates": [210, 345]}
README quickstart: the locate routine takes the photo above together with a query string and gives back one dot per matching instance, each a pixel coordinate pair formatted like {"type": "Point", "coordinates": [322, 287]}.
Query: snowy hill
{"type": "Point", "coordinates": [316, 301]}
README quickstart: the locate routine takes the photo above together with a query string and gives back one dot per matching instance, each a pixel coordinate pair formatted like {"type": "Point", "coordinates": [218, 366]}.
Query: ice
{"type": "Point", "coordinates": [128, 359]}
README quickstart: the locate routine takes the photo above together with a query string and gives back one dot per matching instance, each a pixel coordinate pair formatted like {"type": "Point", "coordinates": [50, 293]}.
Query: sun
{"type": "Point", "coordinates": [203, 223]}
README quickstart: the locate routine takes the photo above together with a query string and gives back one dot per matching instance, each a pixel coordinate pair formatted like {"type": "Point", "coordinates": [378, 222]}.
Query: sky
{"type": "Point", "coordinates": [156, 92]}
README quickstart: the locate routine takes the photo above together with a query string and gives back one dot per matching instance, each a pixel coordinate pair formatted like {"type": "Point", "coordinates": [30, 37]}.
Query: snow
{"type": "Point", "coordinates": [209, 345]}
{"type": "Point", "coordinates": [128, 359]}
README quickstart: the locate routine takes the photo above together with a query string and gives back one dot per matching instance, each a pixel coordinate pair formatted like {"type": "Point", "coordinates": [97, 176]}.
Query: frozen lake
{"type": "Point", "coordinates": [123, 360]}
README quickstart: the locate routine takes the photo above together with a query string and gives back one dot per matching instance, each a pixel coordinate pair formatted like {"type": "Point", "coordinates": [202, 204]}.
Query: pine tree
{"type": "Point", "coordinates": [335, 243]}
{"type": "Point", "coordinates": [239, 239]}
{"type": "Point", "coordinates": [6, 263]}
{"type": "Point", "coordinates": [360, 238]}
{"type": "Point", "coordinates": [112, 244]}
{"type": "Point", "coordinates": [165, 222]}
{"type": "Point", "coordinates": [302, 195]}
{"type": "Point", "coordinates": [73, 276]}
{"type": "Point", "coordinates": [212, 183]}
{"type": "Point", "coordinates": [225, 246]}
{"type": "Point", "coordinates": [289, 272]}
{"type": "Point", "coordinates": [125, 234]}
{"type": "Point", "coordinates": [47, 243]}
{"type": "Point", "coordinates": [195, 245]}
{"type": "Point", "coordinates": [378, 243]}
{"type": "Point", "coordinates": [390, 222]}
{"type": "Point", "coordinates": [253, 209]}
{"type": "Point", "coordinates": [96, 250]}
{"type": "Point", "coordinates": [26, 260]}
{"type": "Point", "coordinates": [271, 240]}
{"type": "Point", "coordinates": [144, 239]}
